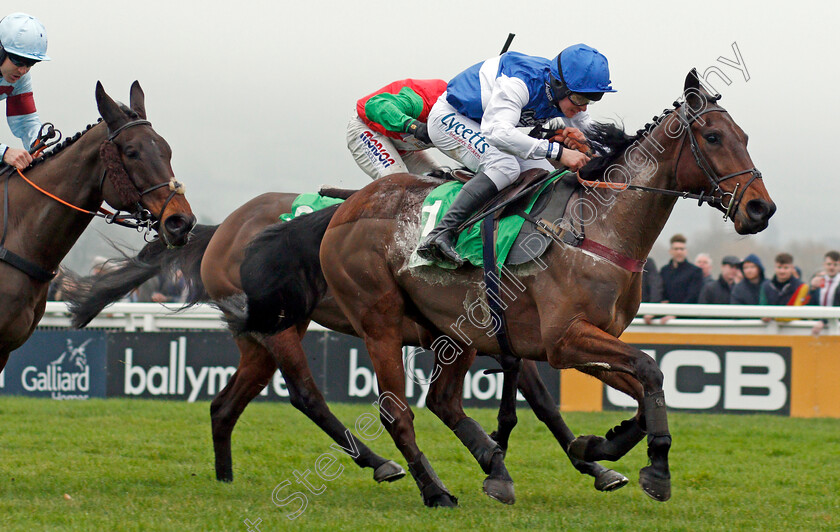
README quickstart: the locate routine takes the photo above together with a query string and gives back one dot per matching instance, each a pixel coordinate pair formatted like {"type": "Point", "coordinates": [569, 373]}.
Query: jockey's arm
{"type": "Point", "coordinates": [501, 118]}
{"type": "Point", "coordinates": [23, 121]}
{"type": "Point", "coordinates": [393, 111]}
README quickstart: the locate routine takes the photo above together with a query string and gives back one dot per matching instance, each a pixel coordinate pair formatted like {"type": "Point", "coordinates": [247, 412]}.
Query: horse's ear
{"type": "Point", "coordinates": [138, 100]}
{"type": "Point", "coordinates": [692, 90]}
{"type": "Point", "coordinates": [692, 81]}
{"type": "Point", "coordinates": [108, 108]}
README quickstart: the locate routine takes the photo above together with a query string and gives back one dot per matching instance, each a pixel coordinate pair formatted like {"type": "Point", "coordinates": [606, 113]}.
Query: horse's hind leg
{"type": "Point", "coordinates": [305, 396]}
{"type": "Point", "coordinates": [255, 370]}
{"type": "Point", "coordinates": [539, 399]}
{"type": "Point", "coordinates": [445, 400]}
{"type": "Point", "coordinates": [386, 353]}
{"type": "Point", "coordinates": [585, 346]}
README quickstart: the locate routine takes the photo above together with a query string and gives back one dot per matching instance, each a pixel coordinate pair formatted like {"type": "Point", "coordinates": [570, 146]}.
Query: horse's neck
{"type": "Point", "coordinates": [49, 229]}
{"type": "Point", "coordinates": [630, 221]}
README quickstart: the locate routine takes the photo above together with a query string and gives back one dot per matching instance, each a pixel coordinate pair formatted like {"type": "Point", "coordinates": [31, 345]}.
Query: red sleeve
{"type": "Point", "coordinates": [20, 104]}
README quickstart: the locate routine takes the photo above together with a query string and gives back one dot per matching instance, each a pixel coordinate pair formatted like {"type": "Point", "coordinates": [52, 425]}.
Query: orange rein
{"type": "Point", "coordinates": [602, 184]}
{"type": "Point", "coordinates": [56, 198]}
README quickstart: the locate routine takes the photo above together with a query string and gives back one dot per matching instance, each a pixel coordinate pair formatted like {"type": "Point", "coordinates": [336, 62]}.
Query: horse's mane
{"type": "Point", "coordinates": [610, 141]}
{"type": "Point", "coordinates": [70, 140]}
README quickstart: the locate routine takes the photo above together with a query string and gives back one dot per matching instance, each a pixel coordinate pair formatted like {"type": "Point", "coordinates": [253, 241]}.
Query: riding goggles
{"type": "Point", "coordinates": [20, 61]}
{"type": "Point", "coordinates": [580, 100]}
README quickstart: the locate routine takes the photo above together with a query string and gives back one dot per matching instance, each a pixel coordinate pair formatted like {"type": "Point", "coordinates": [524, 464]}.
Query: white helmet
{"type": "Point", "coordinates": [24, 35]}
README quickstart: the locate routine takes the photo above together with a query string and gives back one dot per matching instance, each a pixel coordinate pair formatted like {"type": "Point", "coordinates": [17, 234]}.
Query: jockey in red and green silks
{"type": "Point", "coordinates": [388, 133]}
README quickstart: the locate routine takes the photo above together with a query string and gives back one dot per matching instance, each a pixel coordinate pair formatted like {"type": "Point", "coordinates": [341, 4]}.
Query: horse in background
{"type": "Point", "coordinates": [121, 161]}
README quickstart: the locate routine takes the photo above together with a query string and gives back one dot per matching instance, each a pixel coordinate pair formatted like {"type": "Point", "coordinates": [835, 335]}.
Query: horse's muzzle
{"type": "Point", "coordinates": [758, 213]}
{"type": "Point", "coordinates": [178, 227]}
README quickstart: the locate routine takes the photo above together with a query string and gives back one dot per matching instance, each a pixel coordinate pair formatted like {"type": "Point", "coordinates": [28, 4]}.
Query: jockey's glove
{"type": "Point", "coordinates": [418, 129]}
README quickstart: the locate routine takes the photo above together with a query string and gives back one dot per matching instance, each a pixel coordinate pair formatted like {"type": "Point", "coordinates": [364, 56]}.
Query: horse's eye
{"type": "Point", "coordinates": [131, 153]}
{"type": "Point", "coordinates": [712, 138]}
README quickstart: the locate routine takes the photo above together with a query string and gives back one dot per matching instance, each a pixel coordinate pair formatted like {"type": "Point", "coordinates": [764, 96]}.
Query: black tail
{"type": "Point", "coordinates": [281, 274]}
{"type": "Point", "coordinates": [90, 295]}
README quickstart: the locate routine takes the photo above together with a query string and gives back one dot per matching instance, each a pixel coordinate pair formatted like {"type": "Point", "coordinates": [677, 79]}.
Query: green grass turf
{"type": "Point", "coordinates": [148, 465]}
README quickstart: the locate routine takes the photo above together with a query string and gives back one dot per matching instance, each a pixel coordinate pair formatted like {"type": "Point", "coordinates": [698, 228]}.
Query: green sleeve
{"type": "Point", "coordinates": [392, 110]}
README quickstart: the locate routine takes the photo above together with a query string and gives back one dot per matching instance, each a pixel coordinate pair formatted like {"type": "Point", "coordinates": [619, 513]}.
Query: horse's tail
{"type": "Point", "coordinates": [281, 275]}
{"type": "Point", "coordinates": [90, 295]}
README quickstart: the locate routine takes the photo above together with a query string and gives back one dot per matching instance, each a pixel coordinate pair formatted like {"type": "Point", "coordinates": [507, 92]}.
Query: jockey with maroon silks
{"type": "Point", "coordinates": [23, 43]}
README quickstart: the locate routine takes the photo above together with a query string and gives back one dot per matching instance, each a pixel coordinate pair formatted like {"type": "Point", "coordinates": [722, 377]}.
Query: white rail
{"type": "Point", "coordinates": [729, 319]}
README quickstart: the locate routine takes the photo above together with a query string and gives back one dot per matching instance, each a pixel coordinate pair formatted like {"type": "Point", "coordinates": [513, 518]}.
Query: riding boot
{"type": "Point", "coordinates": [440, 243]}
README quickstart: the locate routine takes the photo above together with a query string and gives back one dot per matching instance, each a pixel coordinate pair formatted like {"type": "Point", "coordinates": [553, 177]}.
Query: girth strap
{"type": "Point", "coordinates": [564, 236]}
{"type": "Point", "coordinates": [29, 268]}
{"type": "Point", "coordinates": [492, 280]}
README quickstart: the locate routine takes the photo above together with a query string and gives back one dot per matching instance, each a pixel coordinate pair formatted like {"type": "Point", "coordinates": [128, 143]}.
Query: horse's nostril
{"type": "Point", "coordinates": [759, 209]}
{"type": "Point", "coordinates": [178, 224]}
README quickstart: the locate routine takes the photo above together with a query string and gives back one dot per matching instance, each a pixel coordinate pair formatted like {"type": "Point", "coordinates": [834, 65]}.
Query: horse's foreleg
{"type": "Point", "coordinates": [507, 408]}
{"type": "Point", "coordinates": [253, 374]}
{"type": "Point", "coordinates": [539, 399]}
{"type": "Point", "coordinates": [445, 401]}
{"type": "Point", "coordinates": [586, 346]}
{"type": "Point", "coordinates": [306, 397]}
{"type": "Point", "coordinates": [620, 439]}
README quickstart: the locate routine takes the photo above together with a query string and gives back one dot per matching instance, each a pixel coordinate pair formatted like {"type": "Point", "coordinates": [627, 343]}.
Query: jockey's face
{"type": "Point", "coordinates": [569, 108]}
{"type": "Point", "coordinates": [11, 72]}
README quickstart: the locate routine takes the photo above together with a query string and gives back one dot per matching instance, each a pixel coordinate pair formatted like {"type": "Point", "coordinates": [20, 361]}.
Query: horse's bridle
{"type": "Point", "coordinates": [706, 167]}
{"type": "Point", "coordinates": [141, 217]}
{"type": "Point", "coordinates": [716, 197]}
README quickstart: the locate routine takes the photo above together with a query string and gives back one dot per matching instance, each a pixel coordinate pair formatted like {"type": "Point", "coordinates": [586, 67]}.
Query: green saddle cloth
{"type": "Point", "coordinates": [306, 203]}
{"type": "Point", "coordinates": [469, 244]}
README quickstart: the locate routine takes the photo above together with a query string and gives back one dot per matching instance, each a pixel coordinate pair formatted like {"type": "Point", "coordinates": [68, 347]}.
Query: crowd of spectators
{"type": "Point", "coordinates": [741, 282]}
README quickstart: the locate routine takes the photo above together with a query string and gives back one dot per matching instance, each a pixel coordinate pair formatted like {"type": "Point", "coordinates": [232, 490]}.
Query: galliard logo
{"type": "Point", "coordinates": [66, 377]}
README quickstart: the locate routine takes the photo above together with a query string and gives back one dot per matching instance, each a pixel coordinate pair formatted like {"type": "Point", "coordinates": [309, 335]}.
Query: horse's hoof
{"type": "Point", "coordinates": [442, 500]}
{"type": "Point", "coordinates": [610, 480]}
{"type": "Point", "coordinates": [583, 448]}
{"type": "Point", "coordinates": [655, 485]}
{"type": "Point", "coordinates": [500, 490]}
{"type": "Point", "coordinates": [388, 472]}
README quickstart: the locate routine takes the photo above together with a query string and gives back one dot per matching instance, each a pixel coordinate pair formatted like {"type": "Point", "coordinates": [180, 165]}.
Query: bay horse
{"type": "Point", "coordinates": [122, 161]}
{"type": "Point", "coordinates": [211, 263]}
{"type": "Point", "coordinates": [569, 308]}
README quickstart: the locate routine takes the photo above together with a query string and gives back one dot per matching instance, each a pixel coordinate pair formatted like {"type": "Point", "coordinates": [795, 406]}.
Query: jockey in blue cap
{"type": "Point", "coordinates": [475, 122]}
{"type": "Point", "coordinates": [23, 42]}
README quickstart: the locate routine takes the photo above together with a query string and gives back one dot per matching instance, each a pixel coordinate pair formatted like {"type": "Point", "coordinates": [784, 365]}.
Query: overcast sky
{"type": "Point", "coordinates": [254, 96]}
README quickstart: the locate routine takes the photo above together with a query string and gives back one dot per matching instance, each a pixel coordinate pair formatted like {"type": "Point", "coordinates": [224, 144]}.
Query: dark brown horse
{"type": "Point", "coordinates": [211, 262]}
{"type": "Point", "coordinates": [121, 161]}
{"type": "Point", "coordinates": [569, 308]}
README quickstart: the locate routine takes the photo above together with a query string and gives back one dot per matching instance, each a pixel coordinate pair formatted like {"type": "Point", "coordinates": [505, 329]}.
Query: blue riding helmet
{"type": "Point", "coordinates": [580, 69]}
{"type": "Point", "coordinates": [23, 35]}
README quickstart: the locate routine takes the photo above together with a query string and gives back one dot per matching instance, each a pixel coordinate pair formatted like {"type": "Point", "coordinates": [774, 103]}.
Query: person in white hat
{"type": "Point", "coordinates": [23, 42]}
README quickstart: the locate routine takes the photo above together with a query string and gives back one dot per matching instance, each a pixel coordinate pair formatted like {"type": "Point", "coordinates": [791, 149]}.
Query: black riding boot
{"type": "Point", "coordinates": [440, 243]}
